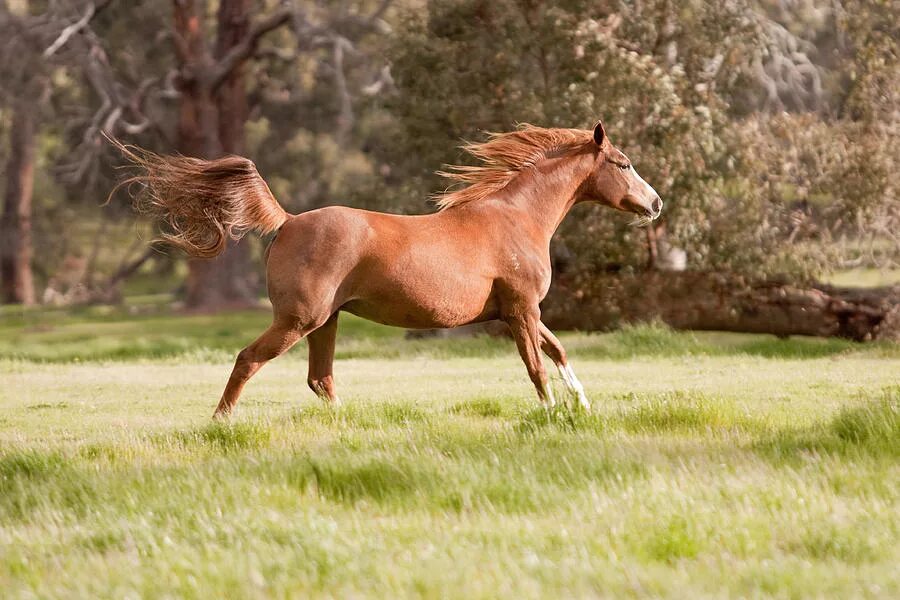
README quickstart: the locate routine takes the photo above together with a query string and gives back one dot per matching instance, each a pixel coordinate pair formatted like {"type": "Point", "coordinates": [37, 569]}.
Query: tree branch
{"type": "Point", "coordinates": [90, 12]}
{"type": "Point", "coordinates": [345, 117]}
{"type": "Point", "coordinates": [247, 46]}
{"type": "Point", "coordinates": [379, 12]}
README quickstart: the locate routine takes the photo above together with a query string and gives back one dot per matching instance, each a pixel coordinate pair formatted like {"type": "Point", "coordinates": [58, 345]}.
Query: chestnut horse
{"type": "Point", "coordinates": [484, 255]}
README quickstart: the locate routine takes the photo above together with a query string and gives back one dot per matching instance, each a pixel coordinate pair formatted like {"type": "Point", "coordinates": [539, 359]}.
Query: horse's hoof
{"type": "Point", "coordinates": [332, 403]}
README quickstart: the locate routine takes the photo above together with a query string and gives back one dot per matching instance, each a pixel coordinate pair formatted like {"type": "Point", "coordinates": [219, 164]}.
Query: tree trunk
{"type": "Point", "coordinates": [211, 123]}
{"type": "Point", "coordinates": [726, 302]}
{"type": "Point", "coordinates": [15, 224]}
{"type": "Point", "coordinates": [231, 96]}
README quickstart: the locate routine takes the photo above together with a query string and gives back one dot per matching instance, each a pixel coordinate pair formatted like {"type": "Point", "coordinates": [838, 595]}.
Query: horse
{"type": "Point", "coordinates": [483, 255]}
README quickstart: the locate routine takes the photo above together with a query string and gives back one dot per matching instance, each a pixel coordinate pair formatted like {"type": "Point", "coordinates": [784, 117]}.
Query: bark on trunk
{"type": "Point", "coordinates": [15, 225]}
{"type": "Point", "coordinates": [211, 123]}
{"type": "Point", "coordinates": [231, 97]}
{"type": "Point", "coordinates": [718, 301]}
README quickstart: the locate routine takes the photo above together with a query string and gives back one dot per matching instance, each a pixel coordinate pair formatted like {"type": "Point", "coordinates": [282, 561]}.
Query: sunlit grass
{"type": "Point", "coordinates": [111, 334]}
{"type": "Point", "coordinates": [864, 277]}
{"type": "Point", "coordinates": [712, 465]}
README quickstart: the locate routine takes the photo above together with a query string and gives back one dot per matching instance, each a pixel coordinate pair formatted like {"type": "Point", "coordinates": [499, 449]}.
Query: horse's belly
{"type": "Point", "coordinates": [426, 304]}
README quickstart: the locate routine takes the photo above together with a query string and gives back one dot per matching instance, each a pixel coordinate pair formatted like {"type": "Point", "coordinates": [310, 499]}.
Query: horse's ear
{"type": "Point", "coordinates": [599, 133]}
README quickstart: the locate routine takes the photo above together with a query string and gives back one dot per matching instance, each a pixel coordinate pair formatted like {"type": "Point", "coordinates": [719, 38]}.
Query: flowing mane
{"type": "Point", "coordinates": [503, 156]}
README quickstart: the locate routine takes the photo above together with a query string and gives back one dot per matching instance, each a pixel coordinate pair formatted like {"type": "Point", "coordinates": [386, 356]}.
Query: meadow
{"type": "Point", "coordinates": [713, 465]}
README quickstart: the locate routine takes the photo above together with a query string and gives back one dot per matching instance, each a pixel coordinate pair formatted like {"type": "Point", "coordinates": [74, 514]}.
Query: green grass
{"type": "Point", "coordinates": [713, 465]}
{"type": "Point", "coordinates": [149, 332]}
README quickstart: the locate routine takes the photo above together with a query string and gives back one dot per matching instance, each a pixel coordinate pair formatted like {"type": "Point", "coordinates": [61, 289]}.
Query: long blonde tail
{"type": "Point", "coordinates": [203, 202]}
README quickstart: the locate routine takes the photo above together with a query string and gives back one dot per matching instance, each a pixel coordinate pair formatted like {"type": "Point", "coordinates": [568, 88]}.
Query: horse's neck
{"type": "Point", "coordinates": [546, 193]}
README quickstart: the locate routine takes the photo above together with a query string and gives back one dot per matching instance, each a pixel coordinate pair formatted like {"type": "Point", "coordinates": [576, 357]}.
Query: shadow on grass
{"type": "Point", "coordinates": [680, 412]}
{"type": "Point", "coordinates": [220, 436]}
{"type": "Point", "coordinates": [403, 483]}
{"type": "Point", "coordinates": [363, 416]}
{"type": "Point", "coordinates": [31, 479]}
{"type": "Point", "coordinates": [854, 544]}
{"type": "Point", "coordinates": [30, 464]}
{"type": "Point", "coordinates": [379, 480]}
{"type": "Point", "coordinates": [672, 539]}
{"type": "Point", "coordinates": [558, 418]}
{"type": "Point", "coordinates": [486, 407]}
{"type": "Point", "coordinates": [496, 477]}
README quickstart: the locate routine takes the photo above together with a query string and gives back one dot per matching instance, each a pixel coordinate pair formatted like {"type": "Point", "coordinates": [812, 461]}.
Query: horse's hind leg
{"type": "Point", "coordinates": [321, 360]}
{"type": "Point", "coordinates": [277, 339]}
{"type": "Point", "coordinates": [554, 349]}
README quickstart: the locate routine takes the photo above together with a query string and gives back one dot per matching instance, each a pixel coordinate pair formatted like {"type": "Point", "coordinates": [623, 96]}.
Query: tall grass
{"type": "Point", "coordinates": [712, 465]}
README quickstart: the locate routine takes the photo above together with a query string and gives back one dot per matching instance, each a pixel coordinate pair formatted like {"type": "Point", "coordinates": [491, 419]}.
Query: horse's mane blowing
{"type": "Point", "coordinates": [503, 156]}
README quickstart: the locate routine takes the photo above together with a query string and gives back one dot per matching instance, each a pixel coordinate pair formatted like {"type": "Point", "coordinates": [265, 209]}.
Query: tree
{"type": "Point", "coordinates": [212, 113]}
{"type": "Point", "coordinates": [37, 46]}
{"type": "Point", "coordinates": [685, 89]}
{"type": "Point", "coordinates": [186, 90]}
{"type": "Point", "coordinates": [695, 93]}
{"type": "Point", "coordinates": [26, 82]}
{"type": "Point", "coordinates": [15, 223]}
{"type": "Point", "coordinates": [214, 109]}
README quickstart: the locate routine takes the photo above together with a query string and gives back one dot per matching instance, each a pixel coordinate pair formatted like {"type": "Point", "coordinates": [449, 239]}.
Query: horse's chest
{"type": "Point", "coordinates": [528, 272]}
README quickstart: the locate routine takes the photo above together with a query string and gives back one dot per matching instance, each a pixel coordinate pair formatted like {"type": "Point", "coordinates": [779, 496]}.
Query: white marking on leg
{"type": "Point", "coordinates": [565, 375]}
{"type": "Point", "coordinates": [323, 395]}
{"type": "Point", "coordinates": [568, 375]}
{"type": "Point", "coordinates": [548, 395]}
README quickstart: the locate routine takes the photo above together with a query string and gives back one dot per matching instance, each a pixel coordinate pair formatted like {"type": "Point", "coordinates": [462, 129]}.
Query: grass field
{"type": "Point", "coordinates": [713, 465]}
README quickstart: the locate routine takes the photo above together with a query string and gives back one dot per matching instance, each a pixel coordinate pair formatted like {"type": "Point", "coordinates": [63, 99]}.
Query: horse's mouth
{"type": "Point", "coordinates": [645, 217]}
{"type": "Point", "coordinates": [646, 213]}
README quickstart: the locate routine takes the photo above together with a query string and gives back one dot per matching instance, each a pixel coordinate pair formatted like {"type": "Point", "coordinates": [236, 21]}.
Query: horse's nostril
{"type": "Point", "coordinates": [656, 206]}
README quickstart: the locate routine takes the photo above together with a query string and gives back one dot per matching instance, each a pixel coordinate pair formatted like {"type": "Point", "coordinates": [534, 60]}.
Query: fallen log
{"type": "Point", "coordinates": [724, 302]}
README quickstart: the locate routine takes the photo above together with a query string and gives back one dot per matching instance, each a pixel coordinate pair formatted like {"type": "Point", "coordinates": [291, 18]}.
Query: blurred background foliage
{"type": "Point", "coordinates": [769, 127]}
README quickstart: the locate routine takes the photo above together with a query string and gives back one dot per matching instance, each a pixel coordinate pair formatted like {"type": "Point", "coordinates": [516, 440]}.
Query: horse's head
{"type": "Point", "coordinates": [615, 183]}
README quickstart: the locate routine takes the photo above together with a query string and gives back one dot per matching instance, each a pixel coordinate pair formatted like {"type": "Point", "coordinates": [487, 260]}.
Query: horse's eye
{"type": "Point", "coordinates": [624, 167]}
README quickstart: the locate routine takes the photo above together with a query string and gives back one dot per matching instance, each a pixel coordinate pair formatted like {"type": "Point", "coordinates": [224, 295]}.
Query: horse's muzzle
{"type": "Point", "coordinates": [656, 207]}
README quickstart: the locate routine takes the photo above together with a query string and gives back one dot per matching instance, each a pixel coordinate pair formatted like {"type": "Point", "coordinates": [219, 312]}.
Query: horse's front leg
{"type": "Point", "coordinates": [554, 349]}
{"type": "Point", "coordinates": [525, 329]}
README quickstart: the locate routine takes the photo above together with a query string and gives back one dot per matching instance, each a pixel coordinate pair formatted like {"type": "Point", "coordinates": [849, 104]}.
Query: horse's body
{"type": "Point", "coordinates": [484, 256]}
{"type": "Point", "coordinates": [341, 248]}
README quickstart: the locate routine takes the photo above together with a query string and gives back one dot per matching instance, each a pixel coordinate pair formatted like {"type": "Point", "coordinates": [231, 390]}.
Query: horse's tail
{"type": "Point", "coordinates": [203, 202]}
